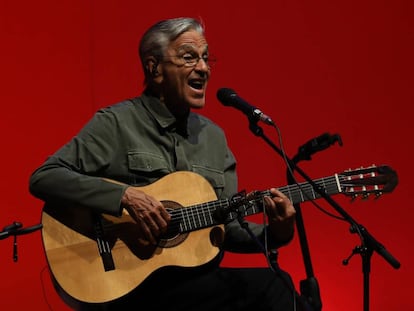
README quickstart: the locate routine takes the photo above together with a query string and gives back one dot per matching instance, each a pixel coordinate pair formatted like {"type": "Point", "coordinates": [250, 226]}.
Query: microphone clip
{"type": "Point", "coordinates": [317, 144]}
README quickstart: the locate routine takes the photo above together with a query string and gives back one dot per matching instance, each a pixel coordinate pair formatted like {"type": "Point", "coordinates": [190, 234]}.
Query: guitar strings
{"type": "Point", "coordinates": [201, 215]}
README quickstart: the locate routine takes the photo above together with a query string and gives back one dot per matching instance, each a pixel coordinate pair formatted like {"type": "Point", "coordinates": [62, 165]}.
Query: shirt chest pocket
{"type": "Point", "coordinates": [146, 167]}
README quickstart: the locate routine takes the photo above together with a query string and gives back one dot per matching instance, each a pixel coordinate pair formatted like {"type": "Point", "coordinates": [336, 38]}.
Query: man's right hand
{"type": "Point", "coordinates": [150, 215]}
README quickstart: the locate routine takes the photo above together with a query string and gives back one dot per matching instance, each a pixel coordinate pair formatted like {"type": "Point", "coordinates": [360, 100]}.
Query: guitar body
{"type": "Point", "coordinates": [74, 259]}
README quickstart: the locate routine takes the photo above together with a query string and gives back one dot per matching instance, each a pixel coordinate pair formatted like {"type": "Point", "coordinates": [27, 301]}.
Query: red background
{"type": "Point", "coordinates": [318, 66]}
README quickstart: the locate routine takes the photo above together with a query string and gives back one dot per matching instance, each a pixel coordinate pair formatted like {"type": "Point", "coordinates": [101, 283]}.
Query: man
{"type": "Point", "coordinates": [142, 140]}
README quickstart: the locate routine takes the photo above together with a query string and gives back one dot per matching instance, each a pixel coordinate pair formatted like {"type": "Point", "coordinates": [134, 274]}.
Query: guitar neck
{"type": "Point", "coordinates": [302, 192]}
{"type": "Point", "coordinates": [222, 211]}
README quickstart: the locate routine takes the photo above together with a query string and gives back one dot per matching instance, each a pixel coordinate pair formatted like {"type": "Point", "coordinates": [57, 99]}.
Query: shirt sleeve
{"type": "Point", "coordinates": [72, 174]}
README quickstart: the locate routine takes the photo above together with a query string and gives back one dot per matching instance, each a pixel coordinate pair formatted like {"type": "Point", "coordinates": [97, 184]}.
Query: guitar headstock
{"type": "Point", "coordinates": [363, 182]}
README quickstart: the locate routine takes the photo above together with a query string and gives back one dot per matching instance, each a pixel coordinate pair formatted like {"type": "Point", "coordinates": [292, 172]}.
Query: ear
{"type": "Point", "coordinates": [152, 67]}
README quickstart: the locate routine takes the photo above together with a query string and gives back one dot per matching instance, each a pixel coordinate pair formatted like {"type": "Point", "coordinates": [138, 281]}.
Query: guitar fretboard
{"type": "Point", "coordinates": [208, 214]}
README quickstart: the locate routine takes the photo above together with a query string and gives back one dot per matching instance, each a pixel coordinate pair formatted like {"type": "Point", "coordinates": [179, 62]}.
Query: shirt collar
{"type": "Point", "coordinates": [165, 119]}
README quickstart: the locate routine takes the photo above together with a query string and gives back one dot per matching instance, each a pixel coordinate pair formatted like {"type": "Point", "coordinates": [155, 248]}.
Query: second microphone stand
{"type": "Point", "coordinates": [309, 288]}
{"type": "Point", "coordinates": [368, 243]}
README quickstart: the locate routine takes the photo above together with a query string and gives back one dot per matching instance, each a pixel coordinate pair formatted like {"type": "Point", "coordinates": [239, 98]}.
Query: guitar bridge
{"type": "Point", "coordinates": [103, 246]}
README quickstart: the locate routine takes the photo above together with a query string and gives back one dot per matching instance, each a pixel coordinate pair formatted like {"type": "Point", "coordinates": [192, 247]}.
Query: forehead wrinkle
{"type": "Point", "coordinates": [189, 42]}
{"type": "Point", "coordinates": [191, 47]}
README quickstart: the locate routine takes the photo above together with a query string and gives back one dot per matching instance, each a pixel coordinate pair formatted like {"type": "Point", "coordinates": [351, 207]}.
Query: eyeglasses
{"type": "Point", "coordinates": [191, 60]}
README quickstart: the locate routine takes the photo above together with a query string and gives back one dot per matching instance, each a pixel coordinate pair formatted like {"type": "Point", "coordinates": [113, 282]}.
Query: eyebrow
{"type": "Point", "coordinates": [188, 47]}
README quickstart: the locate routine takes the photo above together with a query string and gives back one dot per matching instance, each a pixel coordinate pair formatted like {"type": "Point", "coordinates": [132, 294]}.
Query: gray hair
{"type": "Point", "coordinates": [156, 39]}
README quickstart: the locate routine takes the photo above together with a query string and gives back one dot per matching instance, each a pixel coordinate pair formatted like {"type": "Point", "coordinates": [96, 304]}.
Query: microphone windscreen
{"type": "Point", "coordinates": [225, 96]}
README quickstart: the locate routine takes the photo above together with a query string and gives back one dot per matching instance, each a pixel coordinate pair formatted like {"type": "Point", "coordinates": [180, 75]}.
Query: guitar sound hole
{"type": "Point", "coordinates": [173, 236]}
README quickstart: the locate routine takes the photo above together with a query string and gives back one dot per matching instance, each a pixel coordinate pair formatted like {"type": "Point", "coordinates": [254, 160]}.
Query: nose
{"type": "Point", "coordinates": [202, 65]}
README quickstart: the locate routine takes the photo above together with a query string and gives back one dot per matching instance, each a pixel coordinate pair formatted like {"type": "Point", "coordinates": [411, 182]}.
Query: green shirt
{"type": "Point", "coordinates": [137, 142]}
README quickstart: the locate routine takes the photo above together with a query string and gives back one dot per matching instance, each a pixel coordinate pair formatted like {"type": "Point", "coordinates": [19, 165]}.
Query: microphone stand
{"type": "Point", "coordinates": [14, 230]}
{"type": "Point", "coordinates": [309, 287]}
{"type": "Point", "coordinates": [368, 243]}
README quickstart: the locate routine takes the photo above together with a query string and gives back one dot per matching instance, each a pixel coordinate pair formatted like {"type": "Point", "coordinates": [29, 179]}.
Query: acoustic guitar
{"type": "Point", "coordinates": [98, 258]}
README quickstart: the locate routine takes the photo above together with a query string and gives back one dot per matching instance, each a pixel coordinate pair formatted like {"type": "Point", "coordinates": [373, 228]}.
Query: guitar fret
{"type": "Point", "coordinates": [217, 205]}
{"type": "Point", "coordinates": [185, 220]}
{"type": "Point", "coordinates": [191, 217]}
{"type": "Point", "coordinates": [323, 183]}
{"type": "Point", "coordinates": [301, 195]}
{"type": "Point", "coordinates": [312, 193]}
{"type": "Point", "coordinates": [204, 218]}
{"type": "Point", "coordinates": [183, 226]}
{"type": "Point", "coordinates": [289, 194]}
{"type": "Point", "coordinates": [199, 219]}
{"type": "Point", "coordinates": [214, 208]}
{"type": "Point", "coordinates": [210, 215]}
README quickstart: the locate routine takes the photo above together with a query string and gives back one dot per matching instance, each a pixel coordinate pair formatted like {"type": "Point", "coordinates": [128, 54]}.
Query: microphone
{"type": "Point", "coordinates": [228, 97]}
{"type": "Point", "coordinates": [13, 227]}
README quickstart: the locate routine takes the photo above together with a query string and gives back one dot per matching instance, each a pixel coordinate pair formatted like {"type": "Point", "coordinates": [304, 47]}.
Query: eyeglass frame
{"type": "Point", "coordinates": [209, 60]}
